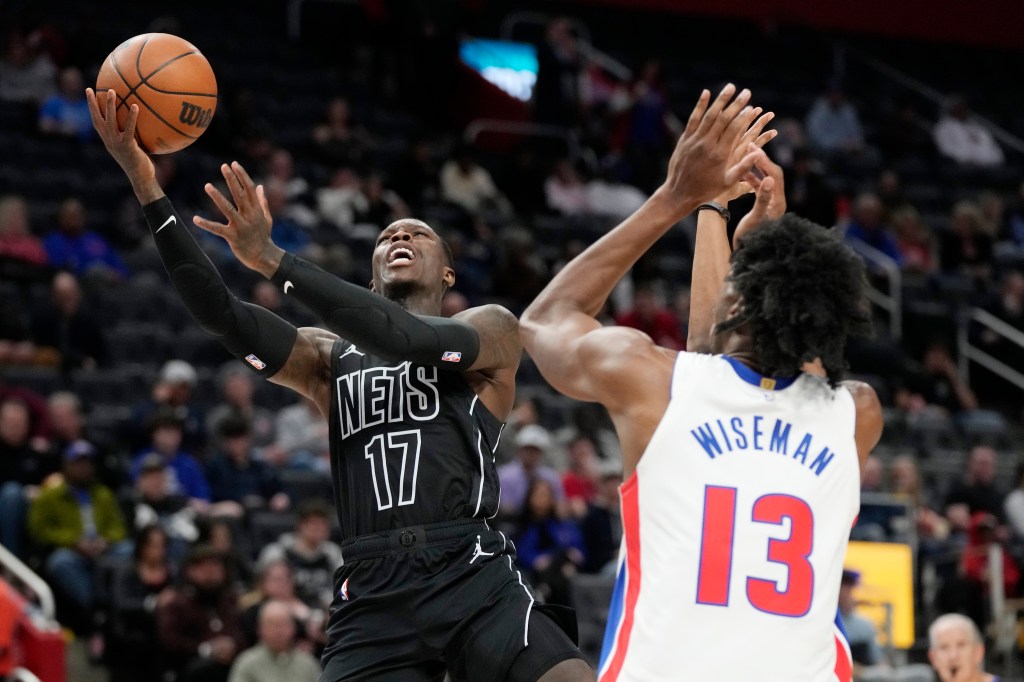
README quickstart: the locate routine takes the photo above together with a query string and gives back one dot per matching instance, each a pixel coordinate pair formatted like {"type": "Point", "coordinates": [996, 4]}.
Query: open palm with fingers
{"type": "Point", "coordinates": [247, 230]}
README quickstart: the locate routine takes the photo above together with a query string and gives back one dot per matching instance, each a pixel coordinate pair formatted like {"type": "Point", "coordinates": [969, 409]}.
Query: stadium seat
{"type": "Point", "coordinates": [267, 526]}
{"type": "Point", "coordinates": [303, 486]}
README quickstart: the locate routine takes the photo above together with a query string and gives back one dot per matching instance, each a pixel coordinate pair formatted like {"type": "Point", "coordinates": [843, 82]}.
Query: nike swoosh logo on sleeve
{"type": "Point", "coordinates": [288, 285]}
{"type": "Point", "coordinates": [167, 222]}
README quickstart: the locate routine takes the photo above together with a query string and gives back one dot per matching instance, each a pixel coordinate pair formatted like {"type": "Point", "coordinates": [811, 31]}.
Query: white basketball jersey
{"type": "Point", "coordinates": [735, 530]}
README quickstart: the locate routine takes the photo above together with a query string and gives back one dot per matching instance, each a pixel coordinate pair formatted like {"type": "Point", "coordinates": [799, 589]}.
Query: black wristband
{"type": "Point", "coordinates": [280, 277]}
{"type": "Point", "coordinates": [717, 208]}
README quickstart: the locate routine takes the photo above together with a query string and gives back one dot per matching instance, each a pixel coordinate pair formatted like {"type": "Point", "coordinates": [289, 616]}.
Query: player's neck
{"type": "Point", "coordinates": [416, 300]}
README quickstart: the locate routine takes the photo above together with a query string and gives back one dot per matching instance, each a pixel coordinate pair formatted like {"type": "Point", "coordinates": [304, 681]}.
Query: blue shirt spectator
{"type": "Point", "coordinates": [185, 476]}
{"type": "Point", "coordinates": [74, 248]}
{"type": "Point", "coordinates": [867, 227]}
{"type": "Point", "coordinates": [67, 113]}
{"type": "Point", "coordinates": [235, 476]}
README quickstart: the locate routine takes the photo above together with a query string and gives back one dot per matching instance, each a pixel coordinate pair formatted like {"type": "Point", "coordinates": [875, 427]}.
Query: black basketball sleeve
{"type": "Point", "coordinates": [375, 323]}
{"type": "Point", "coordinates": [251, 333]}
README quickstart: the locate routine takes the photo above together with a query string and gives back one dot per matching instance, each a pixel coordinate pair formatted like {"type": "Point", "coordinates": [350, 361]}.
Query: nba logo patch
{"type": "Point", "coordinates": [343, 592]}
{"type": "Point", "coordinates": [255, 361]}
{"type": "Point", "coordinates": [451, 356]}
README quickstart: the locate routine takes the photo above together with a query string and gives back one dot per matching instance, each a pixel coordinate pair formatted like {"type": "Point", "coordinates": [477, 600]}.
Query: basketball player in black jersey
{"type": "Point", "coordinates": [415, 404]}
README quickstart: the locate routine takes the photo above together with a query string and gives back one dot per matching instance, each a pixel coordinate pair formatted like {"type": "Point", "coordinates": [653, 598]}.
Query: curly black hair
{"type": "Point", "coordinates": [803, 292]}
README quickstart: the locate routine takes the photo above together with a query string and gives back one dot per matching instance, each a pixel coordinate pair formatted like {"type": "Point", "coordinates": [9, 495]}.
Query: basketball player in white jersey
{"type": "Point", "coordinates": [742, 467]}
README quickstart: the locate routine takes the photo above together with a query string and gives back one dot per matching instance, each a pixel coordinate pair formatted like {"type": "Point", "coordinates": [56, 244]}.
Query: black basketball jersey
{"type": "Point", "coordinates": [410, 444]}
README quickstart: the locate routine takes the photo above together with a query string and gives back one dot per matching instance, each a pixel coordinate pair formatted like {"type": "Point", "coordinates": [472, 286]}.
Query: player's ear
{"type": "Point", "coordinates": [449, 277]}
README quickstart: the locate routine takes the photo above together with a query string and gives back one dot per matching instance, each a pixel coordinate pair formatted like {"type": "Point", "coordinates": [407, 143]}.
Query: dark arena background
{"type": "Point", "coordinates": [521, 133]}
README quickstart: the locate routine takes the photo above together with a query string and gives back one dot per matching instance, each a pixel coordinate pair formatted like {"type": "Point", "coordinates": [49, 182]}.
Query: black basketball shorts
{"type": "Point", "coordinates": [413, 603]}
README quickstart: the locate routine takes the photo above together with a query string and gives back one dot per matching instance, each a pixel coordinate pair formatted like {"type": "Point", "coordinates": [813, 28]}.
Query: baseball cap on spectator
{"type": "Point", "coordinates": [533, 436]}
{"type": "Point", "coordinates": [178, 372]}
{"type": "Point", "coordinates": [79, 449]}
{"type": "Point", "coordinates": [152, 462]}
{"type": "Point", "coordinates": [850, 576]}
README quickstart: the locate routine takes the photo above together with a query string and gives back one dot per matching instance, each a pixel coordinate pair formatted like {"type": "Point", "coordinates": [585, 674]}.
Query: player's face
{"type": "Point", "coordinates": [955, 655]}
{"type": "Point", "coordinates": [410, 252]}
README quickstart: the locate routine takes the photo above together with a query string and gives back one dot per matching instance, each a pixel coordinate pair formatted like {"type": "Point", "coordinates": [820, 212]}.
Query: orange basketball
{"type": "Point", "coordinates": [172, 83]}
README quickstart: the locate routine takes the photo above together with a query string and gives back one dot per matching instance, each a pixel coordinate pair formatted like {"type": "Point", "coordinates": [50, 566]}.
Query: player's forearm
{"type": "Point", "coordinates": [586, 282]}
{"type": "Point", "coordinates": [249, 332]}
{"type": "Point", "coordinates": [710, 267]}
{"type": "Point", "coordinates": [375, 323]}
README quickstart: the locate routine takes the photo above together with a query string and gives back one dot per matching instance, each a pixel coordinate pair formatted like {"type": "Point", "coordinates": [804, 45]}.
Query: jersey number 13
{"type": "Point", "coordinates": [793, 552]}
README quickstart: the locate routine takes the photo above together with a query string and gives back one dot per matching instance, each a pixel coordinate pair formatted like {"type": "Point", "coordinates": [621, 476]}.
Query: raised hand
{"type": "Point", "coordinates": [122, 144]}
{"type": "Point", "coordinates": [702, 166]}
{"type": "Point", "coordinates": [752, 136]}
{"type": "Point", "coordinates": [769, 190]}
{"type": "Point", "coordinates": [247, 230]}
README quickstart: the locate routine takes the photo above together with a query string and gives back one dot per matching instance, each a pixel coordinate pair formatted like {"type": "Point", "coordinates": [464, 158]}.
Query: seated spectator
{"type": "Point", "coordinates": [342, 199]}
{"type": "Point", "coordinates": [654, 319]}
{"type": "Point", "coordinates": [311, 555]}
{"type": "Point", "coordinates": [965, 139]}
{"type": "Point", "coordinates": [150, 503]}
{"type": "Point", "coordinates": [24, 466]}
{"type": "Point", "coordinates": [956, 650]}
{"type": "Point", "coordinates": [67, 113]}
{"type": "Point", "coordinates": [16, 345]}
{"type": "Point", "coordinates": [521, 274]}
{"type": "Point", "coordinates": [219, 533]}
{"type": "Point", "coordinates": [172, 391]}
{"type": "Point", "coordinates": [76, 521]}
{"type": "Point", "coordinates": [68, 329]}
{"type": "Point", "coordinates": [39, 417]}
{"type": "Point", "coordinates": [606, 195]}
{"type": "Point", "coordinates": [466, 183]}
{"type": "Point", "coordinates": [867, 227]}
{"type": "Point", "coordinates": [905, 134]}
{"type": "Point", "coordinates": [302, 437]}
{"type": "Point", "coordinates": [78, 250]}
{"type": "Point", "coordinates": [932, 527]}
{"type": "Point", "coordinates": [22, 255]}
{"type": "Point", "coordinates": [238, 385]}
{"type": "Point", "coordinates": [198, 624]}
{"type": "Point", "coordinates": [807, 192]}
{"type": "Point", "coordinates": [532, 443]}
{"type": "Point", "coordinates": [565, 190]}
{"type": "Point", "coordinates": [281, 168]}
{"type": "Point", "coordinates": [336, 141]}
{"type": "Point", "coordinates": [601, 528]}
{"type": "Point", "coordinates": [861, 633]}
{"type": "Point", "coordinates": [27, 74]}
{"type": "Point", "coordinates": [1008, 305]}
{"type": "Point", "coordinates": [383, 206]}
{"type": "Point", "coordinates": [130, 636]}
{"type": "Point", "coordinates": [938, 384]}
{"type": "Point", "coordinates": [833, 125]}
{"type": "Point", "coordinates": [234, 476]}
{"type": "Point", "coordinates": [67, 425]}
{"type": "Point", "coordinates": [966, 248]}
{"type": "Point", "coordinates": [186, 476]}
{"type": "Point", "coordinates": [977, 491]}
{"type": "Point", "coordinates": [548, 545]}
{"type": "Point", "coordinates": [289, 227]}
{"type": "Point", "coordinates": [276, 657]}
{"type": "Point", "coordinates": [277, 584]}
{"type": "Point", "coordinates": [915, 241]}
{"type": "Point", "coordinates": [580, 481]}
{"type": "Point", "coordinates": [984, 531]}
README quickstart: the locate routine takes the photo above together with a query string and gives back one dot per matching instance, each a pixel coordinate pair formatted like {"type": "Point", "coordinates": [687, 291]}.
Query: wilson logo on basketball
{"type": "Point", "coordinates": [194, 115]}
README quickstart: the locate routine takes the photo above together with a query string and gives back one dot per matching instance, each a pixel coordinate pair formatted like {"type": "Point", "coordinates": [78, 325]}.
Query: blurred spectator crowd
{"type": "Point", "coordinates": [177, 505]}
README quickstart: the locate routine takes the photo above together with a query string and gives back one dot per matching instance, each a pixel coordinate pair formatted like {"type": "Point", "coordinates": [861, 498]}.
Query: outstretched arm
{"type": "Point", "coordinates": [269, 345]}
{"type": "Point", "coordinates": [559, 328]}
{"type": "Point", "coordinates": [484, 341]}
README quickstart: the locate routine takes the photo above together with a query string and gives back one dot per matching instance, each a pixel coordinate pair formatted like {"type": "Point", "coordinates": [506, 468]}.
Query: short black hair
{"type": "Point", "coordinates": [234, 426]}
{"type": "Point", "coordinates": [447, 250]}
{"type": "Point", "coordinates": [314, 509]}
{"type": "Point", "coordinates": [803, 292]}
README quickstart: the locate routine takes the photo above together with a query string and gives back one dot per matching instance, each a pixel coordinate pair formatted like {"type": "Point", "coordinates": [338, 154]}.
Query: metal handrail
{"type": "Point", "coordinates": [969, 351]}
{"type": "Point", "coordinates": [26, 575]}
{"type": "Point", "coordinates": [893, 302]}
{"type": "Point", "coordinates": [496, 125]}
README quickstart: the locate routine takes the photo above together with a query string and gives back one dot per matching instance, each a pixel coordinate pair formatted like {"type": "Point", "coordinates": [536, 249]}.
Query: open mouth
{"type": "Point", "coordinates": [401, 255]}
